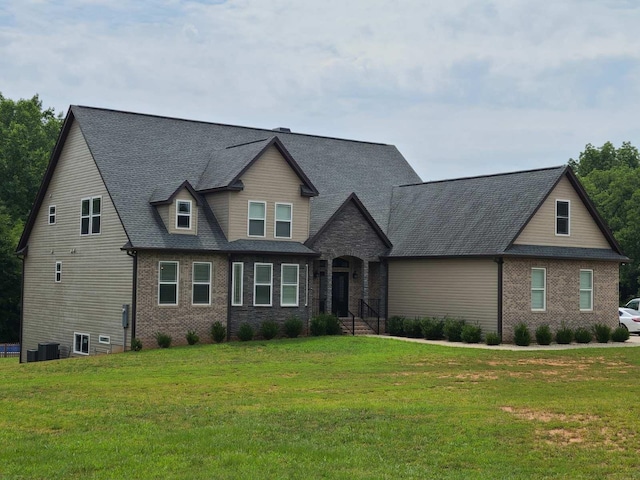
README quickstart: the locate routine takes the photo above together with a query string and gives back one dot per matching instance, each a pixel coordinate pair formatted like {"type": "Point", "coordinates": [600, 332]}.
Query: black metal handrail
{"type": "Point", "coordinates": [366, 311]}
{"type": "Point", "coordinates": [353, 323]}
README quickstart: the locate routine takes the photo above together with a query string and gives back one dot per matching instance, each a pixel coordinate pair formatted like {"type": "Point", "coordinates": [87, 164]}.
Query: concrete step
{"type": "Point", "coordinates": [360, 327]}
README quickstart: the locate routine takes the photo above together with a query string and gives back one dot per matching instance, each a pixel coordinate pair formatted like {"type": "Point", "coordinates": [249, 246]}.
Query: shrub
{"type": "Point", "coordinates": [521, 335]}
{"type": "Point", "coordinates": [136, 344]}
{"type": "Point", "coordinates": [269, 329]}
{"type": "Point", "coordinates": [620, 334]}
{"type": "Point", "coordinates": [453, 329]}
{"type": "Point", "coordinates": [245, 332]}
{"type": "Point", "coordinates": [412, 327]}
{"type": "Point", "coordinates": [471, 334]}
{"type": "Point", "coordinates": [192, 337]}
{"type": "Point", "coordinates": [544, 335]}
{"type": "Point", "coordinates": [432, 328]}
{"type": "Point", "coordinates": [395, 326]}
{"type": "Point", "coordinates": [164, 340]}
{"type": "Point", "coordinates": [582, 335]}
{"type": "Point", "coordinates": [602, 332]}
{"type": "Point", "coordinates": [218, 332]}
{"type": "Point", "coordinates": [493, 338]}
{"type": "Point", "coordinates": [293, 327]}
{"type": "Point", "coordinates": [318, 326]}
{"type": "Point", "coordinates": [333, 325]}
{"type": "Point", "coordinates": [564, 335]}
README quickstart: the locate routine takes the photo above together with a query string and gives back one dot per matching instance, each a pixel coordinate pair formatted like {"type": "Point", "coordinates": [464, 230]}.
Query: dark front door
{"type": "Point", "coordinates": [340, 294]}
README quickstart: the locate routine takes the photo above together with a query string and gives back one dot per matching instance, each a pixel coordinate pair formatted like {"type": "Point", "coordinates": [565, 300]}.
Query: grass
{"type": "Point", "coordinates": [329, 407]}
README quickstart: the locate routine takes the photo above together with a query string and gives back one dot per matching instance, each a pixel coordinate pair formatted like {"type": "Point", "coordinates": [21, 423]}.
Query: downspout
{"type": "Point", "coordinates": [230, 293]}
{"type": "Point", "coordinates": [134, 294]}
{"type": "Point", "coordinates": [21, 256]}
{"type": "Point", "coordinates": [500, 262]}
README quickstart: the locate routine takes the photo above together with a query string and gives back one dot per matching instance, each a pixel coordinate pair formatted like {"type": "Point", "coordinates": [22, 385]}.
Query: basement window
{"type": "Point", "coordinates": [81, 343]}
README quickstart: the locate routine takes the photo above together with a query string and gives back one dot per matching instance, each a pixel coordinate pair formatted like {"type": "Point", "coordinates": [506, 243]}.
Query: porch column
{"type": "Point", "coordinates": [365, 280]}
{"type": "Point", "coordinates": [328, 306]}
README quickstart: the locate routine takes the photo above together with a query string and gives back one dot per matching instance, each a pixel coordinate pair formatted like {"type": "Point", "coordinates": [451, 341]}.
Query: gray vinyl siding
{"type": "Point", "coordinates": [541, 229]}
{"type": "Point", "coordinates": [269, 179]}
{"type": "Point", "coordinates": [96, 274]}
{"type": "Point", "coordinates": [459, 288]}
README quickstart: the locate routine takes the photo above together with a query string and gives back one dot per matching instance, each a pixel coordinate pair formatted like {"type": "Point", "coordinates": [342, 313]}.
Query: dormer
{"type": "Point", "coordinates": [257, 191]}
{"type": "Point", "coordinates": [178, 208]}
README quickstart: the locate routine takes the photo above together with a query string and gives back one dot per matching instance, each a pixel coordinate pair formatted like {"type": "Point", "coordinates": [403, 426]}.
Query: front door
{"type": "Point", "coordinates": [340, 294]}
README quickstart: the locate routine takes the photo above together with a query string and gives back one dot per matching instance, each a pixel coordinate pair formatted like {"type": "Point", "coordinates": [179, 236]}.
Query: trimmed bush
{"type": "Point", "coordinates": [493, 338]}
{"type": "Point", "coordinates": [432, 328]}
{"type": "Point", "coordinates": [245, 332]}
{"type": "Point", "coordinates": [564, 335]}
{"type": "Point", "coordinates": [164, 340]}
{"type": "Point", "coordinates": [318, 326]}
{"type": "Point", "coordinates": [192, 337]}
{"type": "Point", "coordinates": [582, 335]}
{"type": "Point", "coordinates": [136, 344]}
{"type": "Point", "coordinates": [218, 332]}
{"type": "Point", "coordinates": [293, 327]}
{"type": "Point", "coordinates": [620, 334]}
{"type": "Point", "coordinates": [602, 332]}
{"type": "Point", "coordinates": [412, 327]}
{"type": "Point", "coordinates": [544, 335]}
{"type": "Point", "coordinates": [395, 326]}
{"type": "Point", "coordinates": [269, 329]}
{"type": "Point", "coordinates": [453, 329]}
{"type": "Point", "coordinates": [471, 334]}
{"type": "Point", "coordinates": [333, 325]}
{"type": "Point", "coordinates": [521, 335]}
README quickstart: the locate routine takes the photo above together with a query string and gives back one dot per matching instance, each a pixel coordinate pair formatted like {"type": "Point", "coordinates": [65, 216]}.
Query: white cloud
{"type": "Point", "coordinates": [461, 87]}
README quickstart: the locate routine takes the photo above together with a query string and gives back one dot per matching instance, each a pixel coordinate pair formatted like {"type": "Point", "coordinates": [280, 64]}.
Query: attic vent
{"type": "Point", "coordinates": [282, 129]}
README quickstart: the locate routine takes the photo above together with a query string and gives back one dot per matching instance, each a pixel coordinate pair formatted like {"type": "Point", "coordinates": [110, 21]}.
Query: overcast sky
{"type": "Point", "coordinates": [461, 87]}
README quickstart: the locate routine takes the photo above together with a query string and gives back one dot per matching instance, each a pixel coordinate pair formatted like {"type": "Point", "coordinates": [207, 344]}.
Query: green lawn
{"type": "Point", "coordinates": [332, 407]}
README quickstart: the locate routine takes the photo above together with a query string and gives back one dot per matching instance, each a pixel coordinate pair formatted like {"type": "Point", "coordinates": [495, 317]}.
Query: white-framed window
{"type": "Point", "coordinates": [538, 289]}
{"type": "Point", "coordinates": [52, 214]}
{"type": "Point", "coordinates": [168, 283]}
{"type": "Point", "coordinates": [90, 213]}
{"type": "Point", "coordinates": [237, 272]}
{"type": "Point", "coordinates": [257, 219]}
{"type": "Point", "coordinates": [183, 214]}
{"type": "Point", "coordinates": [201, 283]}
{"type": "Point", "coordinates": [283, 220]}
{"type": "Point", "coordinates": [289, 273]}
{"type": "Point", "coordinates": [262, 284]}
{"type": "Point", "coordinates": [563, 217]}
{"type": "Point", "coordinates": [58, 276]}
{"type": "Point", "coordinates": [104, 339]}
{"type": "Point", "coordinates": [586, 290]}
{"type": "Point", "coordinates": [81, 343]}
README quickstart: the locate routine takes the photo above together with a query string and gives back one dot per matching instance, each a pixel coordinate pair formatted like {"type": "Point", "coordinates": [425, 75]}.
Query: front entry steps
{"type": "Point", "coordinates": [361, 327]}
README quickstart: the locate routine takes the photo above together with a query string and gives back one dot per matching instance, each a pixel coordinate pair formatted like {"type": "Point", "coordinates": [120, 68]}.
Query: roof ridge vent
{"type": "Point", "coordinates": [282, 129]}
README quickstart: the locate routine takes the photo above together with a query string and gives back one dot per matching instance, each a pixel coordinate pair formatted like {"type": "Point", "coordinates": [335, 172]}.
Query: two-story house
{"type": "Point", "coordinates": [186, 223]}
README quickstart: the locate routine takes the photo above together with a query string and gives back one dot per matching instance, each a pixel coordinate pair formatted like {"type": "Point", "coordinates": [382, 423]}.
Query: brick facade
{"type": "Point", "coordinates": [255, 315]}
{"type": "Point", "coordinates": [177, 320]}
{"type": "Point", "coordinates": [562, 295]}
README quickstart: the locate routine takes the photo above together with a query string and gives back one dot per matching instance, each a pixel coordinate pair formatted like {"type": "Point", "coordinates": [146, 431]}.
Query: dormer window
{"type": "Point", "coordinates": [183, 214]}
{"type": "Point", "coordinates": [257, 219]}
{"type": "Point", "coordinates": [562, 217]}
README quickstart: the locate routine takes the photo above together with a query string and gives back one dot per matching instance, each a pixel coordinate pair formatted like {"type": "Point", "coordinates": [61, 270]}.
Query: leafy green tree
{"type": "Point", "coordinates": [612, 178]}
{"type": "Point", "coordinates": [28, 134]}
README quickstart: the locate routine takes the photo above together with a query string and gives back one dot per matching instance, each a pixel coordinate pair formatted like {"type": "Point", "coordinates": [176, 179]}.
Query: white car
{"type": "Point", "coordinates": [629, 319]}
{"type": "Point", "coordinates": [633, 304]}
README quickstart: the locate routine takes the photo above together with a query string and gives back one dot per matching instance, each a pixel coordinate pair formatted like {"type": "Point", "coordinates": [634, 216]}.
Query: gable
{"type": "Point", "coordinates": [584, 231]}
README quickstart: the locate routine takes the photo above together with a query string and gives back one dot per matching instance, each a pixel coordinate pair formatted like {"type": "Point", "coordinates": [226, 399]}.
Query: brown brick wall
{"type": "Point", "coordinates": [563, 294]}
{"type": "Point", "coordinates": [176, 320]}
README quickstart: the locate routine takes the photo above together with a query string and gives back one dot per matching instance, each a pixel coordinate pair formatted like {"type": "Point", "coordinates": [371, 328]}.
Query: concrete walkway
{"type": "Point", "coordinates": [634, 341]}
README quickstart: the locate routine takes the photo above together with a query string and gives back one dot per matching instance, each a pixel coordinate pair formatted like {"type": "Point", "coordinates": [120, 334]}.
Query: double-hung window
{"type": "Point", "coordinates": [236, 281]}
{"type": "Point", "coordinates": [201, 287]}
{"type": "Point", "coordinates": [58, 276]}
{"type": "Point", "coordinates": [538, 289]}
{"type": "Point", "coordinates": [257, 219]}
{"type": "Point", "coordinates": [289, 285]}
{"type": "Point", "coordinates": [586, 290]}
{"type": "Point", "coordinates": [563, 210]}
{"type": "Point", "coordinates": [262, 284]}
{"type": "Point", "coordinates": [168, 283]}
{"type": "Point", "coordinates": [183, 214]}
{"type": "Point", "coordinates": [283, 219]}
{"type": "Point", "coordinates": [91, 210]}
{"type": "Point", "coordinates": [52, 214]}
{"type": "Point", "coordinates": [81, 343]}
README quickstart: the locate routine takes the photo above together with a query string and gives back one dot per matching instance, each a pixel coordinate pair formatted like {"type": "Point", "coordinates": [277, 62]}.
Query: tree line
{"type": "Point", "coordinates": [28, 133]}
